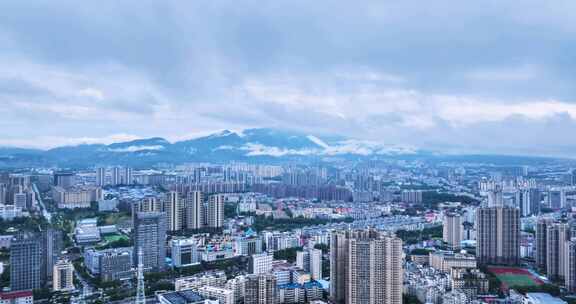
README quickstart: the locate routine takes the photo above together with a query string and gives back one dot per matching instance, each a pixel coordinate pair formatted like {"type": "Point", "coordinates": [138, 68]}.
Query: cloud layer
{"type": "Point", "coordinates": [450, 76]}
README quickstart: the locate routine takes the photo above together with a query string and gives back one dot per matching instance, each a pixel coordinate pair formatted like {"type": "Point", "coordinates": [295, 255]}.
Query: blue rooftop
{"type": "Point", "coordinates": [183, 297]}
{"type": "Point", "coordinates": [290, 286]}
{"type": "Point", "coordinates": [313, 284]}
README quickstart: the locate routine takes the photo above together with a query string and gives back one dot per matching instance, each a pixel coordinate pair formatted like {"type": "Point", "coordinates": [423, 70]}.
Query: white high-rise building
{"type": "Point", "coordinates": [261, 263]}
{"type": "Point", "coordinates": [63, 276]}
{"type": "Point", "coordinates": [310, 260]}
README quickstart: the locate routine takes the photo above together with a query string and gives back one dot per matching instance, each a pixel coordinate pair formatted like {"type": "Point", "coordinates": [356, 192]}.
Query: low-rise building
{"type": "Point", "coordinates": [76, 197]}
{"type": "Point", "coordinates": [10, 212]}
{"type": "Point", "coordinates": [213, 278]}
{"type": "Point", "coordinates": [110, 264]}
{"type": "Point", "coordinates": [454, 297]}
{"type": "Point", "coordinates": [183, 297]}
{"type": "Point", "coordinates": [542, 298]}
{"type": "Point", "coordinates": [469, 281]}
{"type": "Point", "coordinates": [238, 285]}
{"type": "Point", "coordinates": [444, 261]}
{"type": "Point", "coordinates": [87, 232]}
{"type": "Point", "coordinates": [291, 293]}
{"type": "Point", "coordinates": [107, 204]}
{"type": "Point", "coordinates": [223, 295]}
{"type": "Point", "coordinates": [17, 297]}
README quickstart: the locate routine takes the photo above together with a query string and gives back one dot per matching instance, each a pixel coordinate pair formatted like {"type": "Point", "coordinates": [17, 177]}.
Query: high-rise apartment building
{"type": "Point", "coordinates": [495, 198]}
{"type": "Point", "coordinates": [557, 234]}
{"type": "Point", "coordinates": [556, 199]}
{"type": "Point", "coordinates": [173, 207]}
{"type": "Point", "coordinates": [147, 204]}
{"type": "Point", "coordinates": [541, 243]}
{"type": "Point", "coordinates": [498, 237]}
{"type": "Point", "coordinates": [452, 230]}
{"type": "Point", "coordinates": [116, 176]}
{"type": "Point", "coordinates": [570, 266]}
{"type": "Point", "coordinates": [310, 260]}
{"type": "Point", "coordinates": [528, 200]}
{"type": "Point", "coordinates": [63, 276]}
{"type": "Point", "coordinates": [101, 176]}
{"type": "Point", "coordinates": [412, 196]}
{"type": "Point", "coordinates": [260, 289]}
{"type": "Point", "coordinates": [366, 267]}
{"type": "Point", "coordinates": [150, 237]}
{"type": "Point", "coordinates": [64, 179]}
{"type": "Point", "coordinates": [52, 246]}
{"type": "Point", "coordinates": [26, 262]}
{"type": "Point", "coordinates": [127, 177]}
{"type": "Point", "coordinates": [215, 211]}
{"type": "Point", "coordinates": [194, 210]}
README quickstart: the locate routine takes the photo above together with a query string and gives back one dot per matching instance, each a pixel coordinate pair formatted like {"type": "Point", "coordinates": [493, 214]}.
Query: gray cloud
{"type": "Point", "coordinates": [442, 75]}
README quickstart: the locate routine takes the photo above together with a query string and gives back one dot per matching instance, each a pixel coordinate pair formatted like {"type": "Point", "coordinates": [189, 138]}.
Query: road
{"type": "Point", "coordinates": [43, 209]}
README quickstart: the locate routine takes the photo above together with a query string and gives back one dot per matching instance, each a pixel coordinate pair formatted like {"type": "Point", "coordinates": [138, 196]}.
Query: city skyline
{"type": "Point", "coordinates": [287, 152]}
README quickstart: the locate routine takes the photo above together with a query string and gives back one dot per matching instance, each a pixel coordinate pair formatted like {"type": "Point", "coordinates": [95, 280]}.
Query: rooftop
{"type": "Point", "coordinates": [182, 297]}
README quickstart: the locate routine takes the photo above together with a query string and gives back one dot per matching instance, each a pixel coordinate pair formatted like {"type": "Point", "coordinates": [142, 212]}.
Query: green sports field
{"type": "Point", "coordinates": [517, 280]}
{"type": "Point", "coordinates": [115, 237]}
{"type": "Point", "coordinates": [513, 277]}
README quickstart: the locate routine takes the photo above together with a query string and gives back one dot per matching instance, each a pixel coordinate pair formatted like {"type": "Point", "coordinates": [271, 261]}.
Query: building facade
{"type": "Point", "coordinates": [150, 236]}
{"type": "Point", "coordinates": [368, 267]}
{"type": "Point", "coordinates": [26, 263]}
{"type": "Point", "coordinates": [498, 238]}
{"type": "Point", "coordinates": [63, 276]}
{"type": "Point", "coordinates": [452, 230]}
{"type": "Point", "coordinates": [260, 289]}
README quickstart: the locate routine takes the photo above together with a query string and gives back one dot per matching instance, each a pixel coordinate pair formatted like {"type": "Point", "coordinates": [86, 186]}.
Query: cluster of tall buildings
{"type": "Point", "coordinates": [192, 211]}
{"type": "Point", "coordinates": [498, 235]}
{"type": "Point", "coordinates": [153, 217]}
{"type": "Point", "coordinates": [35, 259]}
{"type": "Point", "coordinates": [114, 176]}
{"type": "Point", "coordinates": [365, 267]}
{"type": "Point", "coordinates": [556, 251]}
{"type": "Point", "coordinates": [16, 195]}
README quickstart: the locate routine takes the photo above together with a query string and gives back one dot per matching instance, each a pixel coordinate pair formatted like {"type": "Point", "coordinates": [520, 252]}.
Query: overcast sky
{"type": "Point", "coordinates": [461, 76]}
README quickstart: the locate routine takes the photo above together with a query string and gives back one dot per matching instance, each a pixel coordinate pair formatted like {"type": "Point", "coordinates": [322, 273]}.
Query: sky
{"type": "Point", "coordinates": [448, 75]}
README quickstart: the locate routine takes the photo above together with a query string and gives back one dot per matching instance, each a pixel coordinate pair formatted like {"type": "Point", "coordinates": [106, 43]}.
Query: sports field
{"type": "Point", "coordinates": [115, 237]}
{"type": "Point", "coordinates": [515, 277]}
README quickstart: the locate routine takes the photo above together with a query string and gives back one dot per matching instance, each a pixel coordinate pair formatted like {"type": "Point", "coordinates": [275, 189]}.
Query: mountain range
{"type": "Point", "coordinates": [262, 145]}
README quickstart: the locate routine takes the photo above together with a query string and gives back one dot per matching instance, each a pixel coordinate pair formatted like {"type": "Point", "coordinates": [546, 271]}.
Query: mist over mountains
{"type": "Point", "coordinates": [262, 145]}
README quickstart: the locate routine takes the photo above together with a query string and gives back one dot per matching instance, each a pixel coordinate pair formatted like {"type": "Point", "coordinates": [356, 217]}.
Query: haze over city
{"type": "Point", "coordinates": [287, 152]}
